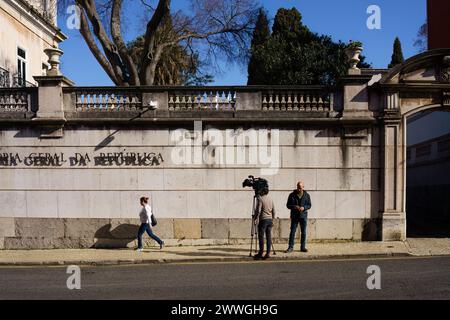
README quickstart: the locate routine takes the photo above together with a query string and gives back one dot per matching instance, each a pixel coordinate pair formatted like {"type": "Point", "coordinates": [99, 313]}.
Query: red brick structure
{"type": "Point", "coordinates": [438, 24]}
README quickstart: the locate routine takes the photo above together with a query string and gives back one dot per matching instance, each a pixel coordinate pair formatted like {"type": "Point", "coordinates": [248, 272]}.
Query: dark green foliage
{"type": "Point", "coordinates": [288, 23]}
{"type": "Point", "coordinates": [262, 30]}
{"type": "Point", "coordinates": [293, 55]}
{"type": "Point", "coordinates": [261, 35]}
{"type": "Point", "coordinates": [397, 55]}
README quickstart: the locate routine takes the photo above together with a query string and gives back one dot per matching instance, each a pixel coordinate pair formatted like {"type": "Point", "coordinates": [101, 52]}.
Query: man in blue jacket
{"type": "Point", "coordinates": [299, 202]}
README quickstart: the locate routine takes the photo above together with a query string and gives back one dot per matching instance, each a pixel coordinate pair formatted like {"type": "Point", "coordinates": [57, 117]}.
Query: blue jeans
{"type": "Point", "coordinates": [265, 227]}
{"type": "Point", "coordinates": [142, 229]}
{"type": "Point", "coordinates": [303, 223]}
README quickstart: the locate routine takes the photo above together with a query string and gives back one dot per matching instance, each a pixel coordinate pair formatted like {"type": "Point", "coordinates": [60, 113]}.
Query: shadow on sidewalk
{"type": "Point", "coordinates": [204, 253]}
{"type": "Point", "coordinates": [243, 250]}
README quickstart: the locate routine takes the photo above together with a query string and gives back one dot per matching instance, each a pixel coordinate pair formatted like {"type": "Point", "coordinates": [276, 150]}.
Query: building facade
{"type": "Point", "coordinates": [27, 28]}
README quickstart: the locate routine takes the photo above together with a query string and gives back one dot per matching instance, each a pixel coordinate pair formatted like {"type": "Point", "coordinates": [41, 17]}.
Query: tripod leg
{"type": "Point", "coordinates": [251, 241]}
{"type": "Point", "coordinates": [254, 229]}
{"type": "Point", "coordinates": [255, 225]}
{"type": "Point", "coordinates": [256, 240]}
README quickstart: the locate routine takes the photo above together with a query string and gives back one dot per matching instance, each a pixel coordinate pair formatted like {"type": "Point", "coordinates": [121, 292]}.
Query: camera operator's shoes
{"type": "Point", "coordinates": [289, 250]}
{"type": "Point", "coordinates": [267, 256]}
{"type": "Point", "coordinates": [304, 250]}
{"type": "Point", "coordinates": [257, 256]}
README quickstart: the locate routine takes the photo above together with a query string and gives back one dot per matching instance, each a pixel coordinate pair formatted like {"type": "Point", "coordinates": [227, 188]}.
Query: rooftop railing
{"type": "Point", "coordinates": [197, 99]}
{"type": "Point", "coordinates": [303, 100]}
{"type": "Point", "coordinates": [107, 100]}
{"type": "Point", "coordinates": [312, 101]}
{"type": "Point", "coordinates": [223, 99]}
{"type": "Point", "coordinates": [17, 99]}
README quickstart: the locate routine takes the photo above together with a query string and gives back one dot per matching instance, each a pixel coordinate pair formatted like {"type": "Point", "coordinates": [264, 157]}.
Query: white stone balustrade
{"type": "Point", "coordinates": [14, 101]}
{"type": "Point", "coordinates": [102, 100]}
{"type": "Point", "coordinates": [202, 100]}
{"type": "Point", "coordinates": [297, 101]}
{"type": "Point", "coordinates": [174, 99]}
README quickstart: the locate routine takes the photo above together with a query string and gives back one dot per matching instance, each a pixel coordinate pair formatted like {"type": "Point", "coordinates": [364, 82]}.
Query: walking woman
{"type": "Point", "coordinates": [145, 216]}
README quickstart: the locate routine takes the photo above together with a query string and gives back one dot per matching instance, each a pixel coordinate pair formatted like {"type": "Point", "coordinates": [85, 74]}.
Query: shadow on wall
{"type": "Point", "coordinates": [371, 230]}
{"type": "Point", "coordinates": [28, 133]}
{"type": "Point", "coordinates": [105, 142]}
{"type": "Point", "coordinates": [119, 237]}
{"type": "Point", "coordinates": [110, 138]}
{"type": "Point", "coordinates": [361, 97]}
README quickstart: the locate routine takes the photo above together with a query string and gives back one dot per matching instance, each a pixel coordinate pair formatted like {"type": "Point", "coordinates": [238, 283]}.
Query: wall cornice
{"type": "Point", "coordinates": [35, 18]}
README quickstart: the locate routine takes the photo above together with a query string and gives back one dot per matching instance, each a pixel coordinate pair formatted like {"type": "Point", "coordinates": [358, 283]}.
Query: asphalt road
{"type": "Point", "coordinates": [401, 278]}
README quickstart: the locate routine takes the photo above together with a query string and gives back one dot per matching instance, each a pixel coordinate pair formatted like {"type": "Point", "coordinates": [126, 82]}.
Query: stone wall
{"type": "Point", "coordinates": [70, 202]}
{"type": "Point", "coordinates": [49, 233]}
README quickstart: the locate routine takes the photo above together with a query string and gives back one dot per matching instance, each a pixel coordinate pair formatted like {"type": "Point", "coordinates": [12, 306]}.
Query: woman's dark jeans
{"type": "Point", "coordinates": [303, 223]}
{"type": "Point", "coordinates": [265, 227]}
{"type": "Point", "coordinates": [142, 229]}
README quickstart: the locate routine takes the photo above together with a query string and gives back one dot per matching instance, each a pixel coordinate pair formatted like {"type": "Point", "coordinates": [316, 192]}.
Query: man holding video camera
{"type": "Point", "coordinates": [265, 212]}
{"type": "Point", "coordinates": [299, 202]}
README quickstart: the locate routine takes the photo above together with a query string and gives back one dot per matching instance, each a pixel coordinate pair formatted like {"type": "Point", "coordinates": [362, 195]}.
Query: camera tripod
{"type": "Point", "coordinates": [254, 231]}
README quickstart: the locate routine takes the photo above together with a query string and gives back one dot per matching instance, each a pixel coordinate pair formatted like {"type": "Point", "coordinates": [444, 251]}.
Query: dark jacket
{"type": "Point", "coordinates": [294, 200]}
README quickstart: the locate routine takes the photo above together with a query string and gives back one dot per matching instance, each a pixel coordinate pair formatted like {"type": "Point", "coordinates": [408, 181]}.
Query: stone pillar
{"type": "Point", "coordinates": [392, 171]}
{"type": "Point", "coordinates": [248, 100]}
{"type": "Point", "coordinates": [356, 96]}
{"type": "Point", "coordinates": [155, 100]}
{"type": "Point", "coordinates": [355, 86]}
{"type": "Point", "coordinates": [50, 97]}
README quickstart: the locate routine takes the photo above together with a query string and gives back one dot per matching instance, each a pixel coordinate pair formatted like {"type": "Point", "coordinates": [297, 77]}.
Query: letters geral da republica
{"type": "Point", "coordinates": [81, 160]}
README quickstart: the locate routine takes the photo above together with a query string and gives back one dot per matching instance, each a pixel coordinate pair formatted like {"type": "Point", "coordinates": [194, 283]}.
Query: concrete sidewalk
{"type": "Point", "coordinates": [231, 253]}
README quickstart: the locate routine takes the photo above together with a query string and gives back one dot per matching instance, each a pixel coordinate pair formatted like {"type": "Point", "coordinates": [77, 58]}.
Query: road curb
{"type": "Point", "coordinates": [206, 260]}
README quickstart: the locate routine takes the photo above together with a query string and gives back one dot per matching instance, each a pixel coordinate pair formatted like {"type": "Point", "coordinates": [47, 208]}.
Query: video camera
{"type": "Point", "coordinates": [260, 185]}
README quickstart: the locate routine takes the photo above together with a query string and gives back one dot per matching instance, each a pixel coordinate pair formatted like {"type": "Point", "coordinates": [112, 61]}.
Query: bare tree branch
{"type": "Point", "coordinates": [162, 11]}
{"type": "Point", "coordinates": [108, 47]}
{"type": "Point", "coordinates": [90, 41]}
{"type": "Point", "coordinates": [147, 5]}
{"type": "Point", "coordinates": [224, 26]}
{"type": "Point", "coordinates": [120, 44]}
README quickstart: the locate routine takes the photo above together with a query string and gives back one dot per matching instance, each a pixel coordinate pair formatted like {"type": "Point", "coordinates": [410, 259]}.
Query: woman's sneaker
{"type": "Point", "coordinates": [161, 245]}
{"type": "Point", "coordinates": [139, 249]}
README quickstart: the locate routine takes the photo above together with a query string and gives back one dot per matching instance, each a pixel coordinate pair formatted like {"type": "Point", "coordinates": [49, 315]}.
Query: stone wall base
{"type": "Point", "coordinates": [393, 227]}
{"type": "Point", "coordinates": [49, 233]}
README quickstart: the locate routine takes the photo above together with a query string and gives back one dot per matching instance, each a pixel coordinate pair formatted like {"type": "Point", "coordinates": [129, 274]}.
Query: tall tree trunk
{"type": "Point", "coordinates": [150, 53]}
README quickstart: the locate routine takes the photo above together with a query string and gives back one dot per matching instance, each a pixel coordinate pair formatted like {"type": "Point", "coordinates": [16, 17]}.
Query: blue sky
{"type": "Point", "coordinates": [341, 19]}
